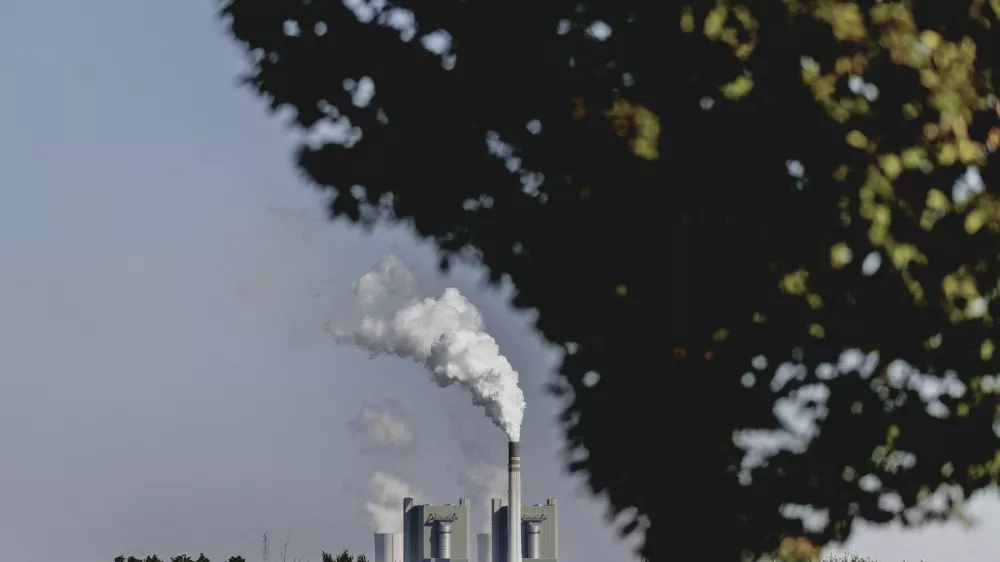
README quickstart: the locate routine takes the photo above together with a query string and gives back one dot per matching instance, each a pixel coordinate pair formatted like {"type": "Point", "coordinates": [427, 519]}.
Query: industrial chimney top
{"type": "Point", "coordinates": [515, 449]}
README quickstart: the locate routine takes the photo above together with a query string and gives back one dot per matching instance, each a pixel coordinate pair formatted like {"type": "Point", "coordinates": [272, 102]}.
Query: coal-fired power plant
{"type": "Point", "coordinates": [518, 532]}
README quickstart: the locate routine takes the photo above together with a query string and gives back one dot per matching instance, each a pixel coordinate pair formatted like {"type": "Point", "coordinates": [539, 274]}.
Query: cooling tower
{"type": "Point", "coordinates": [485, 547]}
{"type": "Point", "coordinates": [383, 547]}
{"type": "Point", "coordinates": [514, 503]}
{"type": "Point", "coordinates": [397, 548]}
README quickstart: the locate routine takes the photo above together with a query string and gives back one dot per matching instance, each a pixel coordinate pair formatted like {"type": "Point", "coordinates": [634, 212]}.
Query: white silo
{"type": "Point", "coordinates": [397, 548]}
{"type": "Point", "coordinates": [383, 547]}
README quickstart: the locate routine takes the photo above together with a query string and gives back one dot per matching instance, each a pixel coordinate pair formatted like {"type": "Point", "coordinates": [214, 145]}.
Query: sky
{"type": "Point", "coordinates": [166, 382]}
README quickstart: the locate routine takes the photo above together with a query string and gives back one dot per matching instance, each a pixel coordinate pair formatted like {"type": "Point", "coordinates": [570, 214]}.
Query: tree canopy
{"type": "Point", "coordinates": [178, 558]}
{"type": "Point", "coordinates": [344, 556]}
{"type": "Point", "coordinates": [725, 212]}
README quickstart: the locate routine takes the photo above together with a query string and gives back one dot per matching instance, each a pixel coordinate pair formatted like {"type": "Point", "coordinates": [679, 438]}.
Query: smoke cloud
{"type": "Point", "coordinates": [386, 505]}
{"type": "Point", "coordinates": [445, 334]}
{"type": "Point", "coordinates": [382, 427]}
{"type": "Point", "coordinates": [485, 482]}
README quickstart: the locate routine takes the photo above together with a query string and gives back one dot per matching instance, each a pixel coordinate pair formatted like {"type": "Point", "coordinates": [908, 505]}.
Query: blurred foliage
{"type": "Point", "coordinates": [708, 203]}
{"type": "Point", "coordinates": [850, 557]}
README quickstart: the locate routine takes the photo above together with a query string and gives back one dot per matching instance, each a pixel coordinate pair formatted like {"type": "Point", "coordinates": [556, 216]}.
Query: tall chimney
{"type": "Point", "coordinates": [514, 503]}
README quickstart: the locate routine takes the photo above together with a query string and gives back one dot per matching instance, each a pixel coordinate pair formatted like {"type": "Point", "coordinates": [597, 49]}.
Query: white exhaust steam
{"type": "Point", "coordinates": [381, 427]}
{"type": "Point", "coordinates": [385, 507]}
{"type": "Point", "coordinates": [485, 483]}
{"type": "Point", "coordinates": [445, 334]}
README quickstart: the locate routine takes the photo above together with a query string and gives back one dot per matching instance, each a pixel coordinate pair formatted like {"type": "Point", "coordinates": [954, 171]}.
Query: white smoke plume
{"type": "Point", "coordinates": [445, 334]}
{"type": "Point", "coordinates": [382, 426]}
{"type": "Point", "coordinates": [486, 482]}
{"type": "Point", "coordinates": [386, 505]}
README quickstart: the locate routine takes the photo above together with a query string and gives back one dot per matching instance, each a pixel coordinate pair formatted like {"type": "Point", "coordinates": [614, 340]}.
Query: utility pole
{"type": "Point", "coordinates": [265, 551]}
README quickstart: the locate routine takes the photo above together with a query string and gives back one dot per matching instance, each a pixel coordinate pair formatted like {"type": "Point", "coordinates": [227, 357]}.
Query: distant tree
{"type": "Point", "coordinates": [344, 556]}
{"type": "Point", "coordinates": [179, 558]}
{"type": "Point", "coordinates": [707, 203]}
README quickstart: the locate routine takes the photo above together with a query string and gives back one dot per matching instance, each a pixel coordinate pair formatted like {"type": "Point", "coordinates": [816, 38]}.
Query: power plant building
{"type": "Point", "coordinates": [539, 532]}
{"type": "Point", "coordinates": [435, 533]}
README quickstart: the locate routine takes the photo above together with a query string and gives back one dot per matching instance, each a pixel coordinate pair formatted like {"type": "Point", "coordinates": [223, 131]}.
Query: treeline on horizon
{"type": "Point", "coordinates": [344, 556]}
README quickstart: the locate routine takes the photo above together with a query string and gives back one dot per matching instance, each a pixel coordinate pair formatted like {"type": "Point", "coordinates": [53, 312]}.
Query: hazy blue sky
{"type": "Point", "coordinates": [165, 381]}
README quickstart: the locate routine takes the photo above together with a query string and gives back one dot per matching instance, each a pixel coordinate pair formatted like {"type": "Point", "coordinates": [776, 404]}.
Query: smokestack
{"type": "Point", "coordinates": [514, 503]}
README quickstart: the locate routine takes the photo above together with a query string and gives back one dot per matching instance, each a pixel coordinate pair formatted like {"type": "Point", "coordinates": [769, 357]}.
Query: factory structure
{"type": "Point", "coordinates": [433, 533]}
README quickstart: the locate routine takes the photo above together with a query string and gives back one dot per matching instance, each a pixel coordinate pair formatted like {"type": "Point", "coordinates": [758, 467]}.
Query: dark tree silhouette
{"type": "Point", "coordinates": [180, 558]}
{"type": "Point", "coordinates": [709, 204]}
{"type": "Point", "coordinates": [344, 556]}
